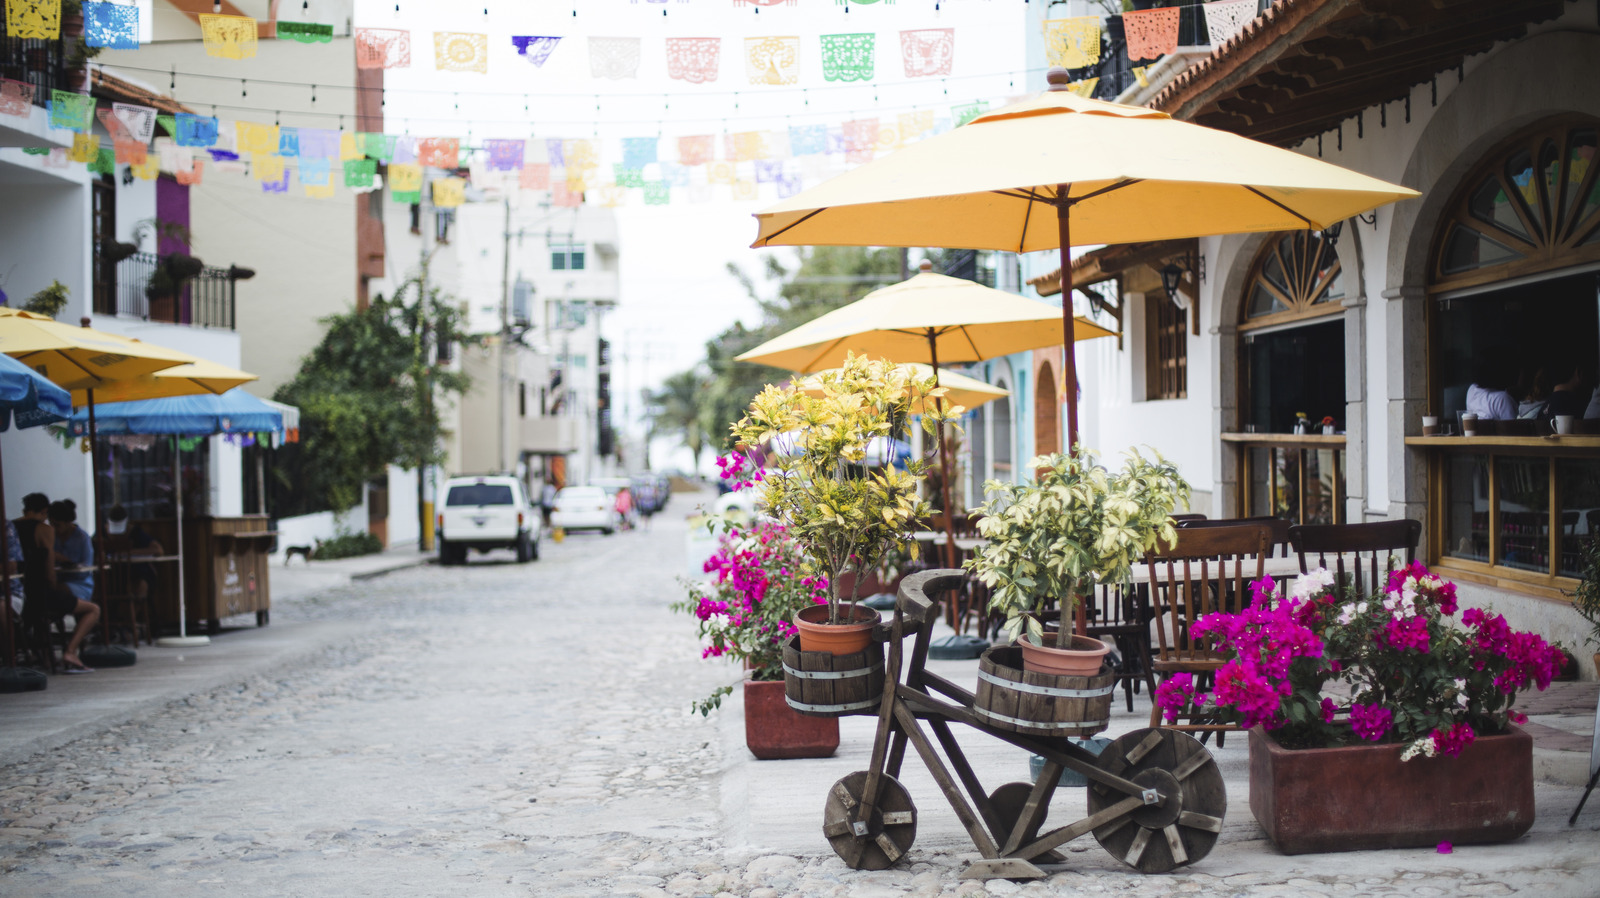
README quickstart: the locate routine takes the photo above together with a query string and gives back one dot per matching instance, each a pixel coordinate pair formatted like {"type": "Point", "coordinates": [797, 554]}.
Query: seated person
{"type": "Point", "coordinates": [1535, 394]}
{"type": "Point", "coordinates": [47, 597]}
{"type": "Point", "coordinates": [1571, 396]}
{"type": "Point", "coordinates": [125, 539]}
{"type": "Point", "coordinates": [1487, 396]}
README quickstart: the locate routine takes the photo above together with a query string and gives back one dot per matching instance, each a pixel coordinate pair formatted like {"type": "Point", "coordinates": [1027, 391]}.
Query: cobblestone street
{"type": "Point", "coordinates": [507, 729]}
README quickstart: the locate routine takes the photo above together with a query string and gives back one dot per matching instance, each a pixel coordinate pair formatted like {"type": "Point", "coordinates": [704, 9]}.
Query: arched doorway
{"type": "Point", "coordinates": [1291, 381]}
{"type": "Point", "coordinates": [1046, 413]}
{"type": "Point", "coordinates": [1514, 307]}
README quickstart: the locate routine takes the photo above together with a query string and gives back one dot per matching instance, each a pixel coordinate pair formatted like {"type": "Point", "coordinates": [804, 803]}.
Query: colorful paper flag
{"type": "Point", "coordinates": [555, 153]}
{"type": "Point", "coordinates": [33, 19]}
{"type": "Point", "coordinates": [744, 190]}
{"type": "Point", "coordinates": [347, 146]}
{"type": "Point", "coordinates": [110, 25]}
{"type": "Point", "coordinates": [139, 120]}
{"type": "Point", "coordinates": [147, 170]}
{"type": "Point", "coordinates": [228, 37]}
{"type": "Point", "coordinates": [320, 191]}
{"type": "Point", "coordinates": [405, 177]}
{"type": "Point", "coordinates": [1084, 88]}
{"type": "Point", "coordinates": [535, 48]}
{"type": "Point", "coordinates": [195, 130]}
{"type": "Point", "coordinates": [112, 124]}
{"type": "Point", "coordinates": [315, 170]}
{"type": "Point", "coordinates": [676, 175]}
{"type": "Point", "coordinates": [657, 193]}
{"type": "Point", "coordinates": [1072, 43]}
{"type": "Point", "coordinates": [376, 146]}
{"type": "Point", "coordinates": [614, 58]}
{"type": "Point", "coordinates": [612, 196]}
{"type": "Point", "coordinates": [744, 146]}
{"type": "Point", "coordinates": [1151, 32]}
{"type": "Point", "coordinates": [637, 152]}
{"type": "Point", "coordinates": [860, 139]}
{"type": "Point", "coordinates": [772, 60]}
{"type": "Point", "coordinates": [808, 140]}
{"type": "Point", "coordinates": [1138, 73]}
{"type": "Point", "coordinates": [72, 111]}
{"type": "Point", "coordinates": [85, 147]}
{"type": "Point", "coordinates": [564, 196]}
{"type": "Point", "coordinates": [281, 185]}
{"type": "Point", "coordinates": [16, 98]}
{"type": "Point", "coordinates": [406, 197]}
{"type": "Point", "coordinates": [305, 33]}
{"type": "Point", "coordinates": [967, 112]}
{"type": "Point", "coordinates": [696, 60]}
{"type": "Point", "coordinates": [696, 150]}
{"type": "Point", "coordinates": [768, 170]}
{"type": "Point", "coordinates": [460, 51]}
{"type": "Point", "coordinates": [104, 162]}
{"type": "Point", "coordinates": [505, 155]}
{"type": "Point", "coordinates": [360, 172]}
{"type": "Point", "coordinates": [1226, 18]}
{"type": "Point", "coordinates": [848, 57]}
{"type": "Point", "coordinates": [266, 166]}
{"type": "Point", "coordinates": [533, 177]}
{"type": "Point", "coordinates": [252, 137]}
{"type": "Point", "coordinates": [130, 152]}
{"type": "Point", "coordinates": [720, 172]}
{"type": "Point", "coordinates": [289, 142]}
{"type": "Point", "coordinates": [318, 143]}
{"type": "Point", "coordinates": [581, 154]}
{"type": "Point", "coordinates": [439, 152]}
{"type": "Point", "coordinates": [449, 193]}
{"type": "Point", "coordinates": [928, 51]}
{"type": "Point", "coordinates": [405, 149]}
{"type": "Point", "coordinates": [383, 48]}
{"type": "Point", "coordinates": [788, 186]}
{"type": "Point", "coordinates": [627, 177]}
{"type": "Point", "coordinates": [192, 175]}
{"type": "Point", "coordinates": [913, 125]}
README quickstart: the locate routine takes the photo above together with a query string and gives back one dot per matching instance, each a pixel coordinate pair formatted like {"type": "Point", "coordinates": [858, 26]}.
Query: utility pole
{"type": "Point", "coordinates": [505, 335]}
{"type": "Point", "coordinates": [424, 474]}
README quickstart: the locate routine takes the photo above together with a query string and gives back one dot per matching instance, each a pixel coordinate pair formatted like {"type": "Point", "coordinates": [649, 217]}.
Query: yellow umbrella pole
{"type": "Point", "coordinates": [944, 469]}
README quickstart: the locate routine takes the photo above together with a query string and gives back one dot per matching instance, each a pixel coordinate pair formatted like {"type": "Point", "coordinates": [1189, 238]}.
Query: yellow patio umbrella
{"type": "Point", "coordinates": [1058, 169]}
{"type": "Point", "coordinates": [194, 378]}
{"type": "Point", "coordinates": [929, 318]}
{"type": "Point", "coordinates": [967, 392]}
{"type": "Point", "coordinates": [80, 358]}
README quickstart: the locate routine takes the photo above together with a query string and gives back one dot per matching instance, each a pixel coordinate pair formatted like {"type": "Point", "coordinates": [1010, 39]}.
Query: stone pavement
{"type": "Point", "coordinates": [525, 730]}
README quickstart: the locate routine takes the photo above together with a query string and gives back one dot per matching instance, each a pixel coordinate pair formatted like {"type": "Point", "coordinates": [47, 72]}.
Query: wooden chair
{"type": "Point", "coordinates": [1368, 548]}
{"type": "Point", "coordinates": [1206, 569]}
{"type": "Point", "coordinates": [124, 605]}
{"type": "Point", "coordinates": [1122, 614]}
{"type": "Point", "coordinates": [1280, 529]}
{"type": "Point", "coordinates": [1187, 516]}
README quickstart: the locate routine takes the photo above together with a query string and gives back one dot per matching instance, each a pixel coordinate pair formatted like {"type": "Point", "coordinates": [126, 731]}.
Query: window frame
{"type": "Point", "coordinates": [1166, 356]}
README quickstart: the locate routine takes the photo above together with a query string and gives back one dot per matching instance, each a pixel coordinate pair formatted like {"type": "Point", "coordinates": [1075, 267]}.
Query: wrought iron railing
{"type": "Point", "coordinates": [40, 63]}
{"type": "Point", "coordinates": [207, 300]}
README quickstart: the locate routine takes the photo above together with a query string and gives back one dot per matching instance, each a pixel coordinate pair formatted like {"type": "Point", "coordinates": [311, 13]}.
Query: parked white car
{"type": "Point", "coordinates": [585, 508]}
{"type": "Point", "coordinates": [483, 513]}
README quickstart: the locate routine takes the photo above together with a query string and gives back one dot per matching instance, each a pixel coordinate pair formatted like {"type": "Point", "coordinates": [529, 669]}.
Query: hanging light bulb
{"type": "Point", "coordinates": [216, 6]}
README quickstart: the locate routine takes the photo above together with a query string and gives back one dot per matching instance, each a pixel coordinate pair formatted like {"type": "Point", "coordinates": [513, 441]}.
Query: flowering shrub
{"type": "Point", "coordinates": [1412, 674]}
{"type": "Point", "coordinates": [759, 580]}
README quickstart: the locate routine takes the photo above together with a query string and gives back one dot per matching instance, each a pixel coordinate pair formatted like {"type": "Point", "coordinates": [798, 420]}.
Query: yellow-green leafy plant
{"type": "Point", "coordinates": [1077, 525]}
{"type": "Point", "coordinates": [844, 512]}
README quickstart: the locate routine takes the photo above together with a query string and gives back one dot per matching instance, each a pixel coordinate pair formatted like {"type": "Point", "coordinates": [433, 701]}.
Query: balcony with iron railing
{"type": "Point", "coordinates": [204, 300]}
{"type": "Point", "coordinates": [40, 63]}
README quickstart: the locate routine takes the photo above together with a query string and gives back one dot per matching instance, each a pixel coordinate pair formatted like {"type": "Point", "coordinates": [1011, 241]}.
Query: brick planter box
{"type": "Point", "coordinates": [1363, 796]}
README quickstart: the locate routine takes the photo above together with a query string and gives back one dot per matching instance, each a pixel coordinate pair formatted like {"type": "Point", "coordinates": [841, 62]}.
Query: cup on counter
{"type": "Point", "coordinates": [1564, 423]}
{"type": "Point", "coordinates": [1430, 425]}
{"type": "Point", "coordinates": [1469, 424]}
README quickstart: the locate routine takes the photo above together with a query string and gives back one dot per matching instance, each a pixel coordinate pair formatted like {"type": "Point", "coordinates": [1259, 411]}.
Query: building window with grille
{"type": "Point", "coordinates": [566, 257]}
{"type": "Point", "coordinates": [1166, 348]}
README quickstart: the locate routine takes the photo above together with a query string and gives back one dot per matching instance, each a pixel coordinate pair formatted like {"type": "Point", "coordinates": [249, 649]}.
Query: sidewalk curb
{"type": "Point", "coordinates": [421, 561]}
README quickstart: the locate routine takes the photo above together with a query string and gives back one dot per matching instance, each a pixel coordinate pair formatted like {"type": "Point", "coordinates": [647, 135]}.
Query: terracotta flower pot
{"type": "Point", "coordinates": [1359, 797]}
{"type": "Point", "coordinates": [774, 731]}
{"type": "Point", "coordinates": [817, 635]}
{"type": "Point", "coordinates": [1082, 660]}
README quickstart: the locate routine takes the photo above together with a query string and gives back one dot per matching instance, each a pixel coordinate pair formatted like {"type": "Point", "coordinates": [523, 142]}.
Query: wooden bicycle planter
{"type": "Point", "coordinates": [1155, 797]}
{"type": "Point", "coordinates": [822, 684]}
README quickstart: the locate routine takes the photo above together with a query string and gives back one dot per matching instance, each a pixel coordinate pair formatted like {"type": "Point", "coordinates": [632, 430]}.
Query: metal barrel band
{"type": "Point", "coordinates": [831, 709]}
{"type": "Point", "coordinates": [831, 674]}
{"type": "Point", "coordinates": [1045, 690]}
{"type": "Point", "coordinates": [1042, 724]}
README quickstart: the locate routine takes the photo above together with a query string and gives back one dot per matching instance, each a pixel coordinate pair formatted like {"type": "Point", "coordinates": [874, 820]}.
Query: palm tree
{"type": "Point", "coordinates": [676, 409]}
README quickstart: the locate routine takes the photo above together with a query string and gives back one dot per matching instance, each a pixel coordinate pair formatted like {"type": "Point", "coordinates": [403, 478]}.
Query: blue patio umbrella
{"type": "Point", "coordinates": [29, 398]}
{"type": "Point", "coordinates": [204, 414]}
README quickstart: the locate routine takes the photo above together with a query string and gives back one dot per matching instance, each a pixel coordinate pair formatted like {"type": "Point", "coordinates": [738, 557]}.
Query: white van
{"type": "Point", "coordinates": [483, 513]}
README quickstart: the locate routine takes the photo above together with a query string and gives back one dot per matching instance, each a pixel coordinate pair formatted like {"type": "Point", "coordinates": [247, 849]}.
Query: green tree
{"type": "Point", "coordinates": [675, 409]}
{"type": "Point", "coordinates": [367, 392]}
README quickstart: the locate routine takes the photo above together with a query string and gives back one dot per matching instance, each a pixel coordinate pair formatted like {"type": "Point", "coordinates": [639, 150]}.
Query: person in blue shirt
{"type": "Point", "coordinates": [75, 571]}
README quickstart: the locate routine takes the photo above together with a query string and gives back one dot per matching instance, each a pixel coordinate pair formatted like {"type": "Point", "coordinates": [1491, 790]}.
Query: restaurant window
{"type": "Point", "coordinates": [1511, 311]}
{"type": "Point", "coordinates": [1166, 348]}
{"type": "Point", "coordinates": [567, 257]}
{"type": "Point", "coordinates": [1000, 435]}
{"type": "Point", "coordinates": [1291, 369]}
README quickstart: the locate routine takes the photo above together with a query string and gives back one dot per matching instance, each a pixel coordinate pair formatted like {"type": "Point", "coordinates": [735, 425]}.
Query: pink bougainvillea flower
{"type": "Point", "coordinates": [1370, 722]}
{"type": "Point", "coordinates": [1328, 707]}
{"type": "Point", "coordinates": [1446, 848]}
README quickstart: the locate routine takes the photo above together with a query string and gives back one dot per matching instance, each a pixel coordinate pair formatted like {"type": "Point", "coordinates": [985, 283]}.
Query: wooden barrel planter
{"type": "Point", "coordinates": [822, 684]}
{"type": "Point", "coordinates": [1037, 704]}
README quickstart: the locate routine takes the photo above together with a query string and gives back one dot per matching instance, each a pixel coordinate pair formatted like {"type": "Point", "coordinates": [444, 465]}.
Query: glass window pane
{"type": "Point", "coordinates": [1264, 302]}
{"type": "Point", "coordinates": [1490, 204]}
{"type": "Point", "coordinates": [558, 261]}
{"type": "Point", "coordinates": [1519, 168]}
{"type": "Point", "coordinates": [1273, 269]}
{"type": "Point", "coordinates": [575, 260]}
{"type": "Point", "coordinates": [1524, 507]}
{"type": "Point", "coordinates": [1260, 466]}
{"type": "Point", "coordinates": [1550, 170]}
{"type": "Point", "coordinates": [1466, 509]}
{"type": "Point", "coordinates": [1326, 260]}
{"type": "Point", "coordinates": [1323, 493]}
{"type": "Point", "coordinates": [1578, 491]}
{"type": "Point", "coordinates": [1467, 249]}
{"type": "Point", "coordinates": [1580, 151]}
{"type": "Point", "coordinates": [1286, 484]}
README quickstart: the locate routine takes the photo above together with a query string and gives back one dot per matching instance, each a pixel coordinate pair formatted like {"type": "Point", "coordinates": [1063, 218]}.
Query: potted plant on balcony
{"type": "Point", "coordinates": [166, 282]}
{"type": "Point", "coordinates": [1418, 745]}
{"type": "Point", "coordinates": [1053, 539]}
{"type": "Point", "coordinates": [745, 611]}
{"type": "Point", "coordinates": [844, 513]}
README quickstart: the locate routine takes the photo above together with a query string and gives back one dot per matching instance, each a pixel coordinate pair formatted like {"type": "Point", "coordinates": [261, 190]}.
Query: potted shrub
{"type": "Point", "coordinates": [1586, 598]}
{"type": "Point", "coordinates": [1053, 539]}
{"type": "Point", "coordinates": [1422, 751]}
{"type": "Point", "coordinates": [845, 515]}
{"type": "Point", "coordinates": [745, 613]}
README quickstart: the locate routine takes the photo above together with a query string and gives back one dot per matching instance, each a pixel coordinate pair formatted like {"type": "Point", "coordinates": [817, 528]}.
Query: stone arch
{"type": "Point", "coordinates": [1046, 411]}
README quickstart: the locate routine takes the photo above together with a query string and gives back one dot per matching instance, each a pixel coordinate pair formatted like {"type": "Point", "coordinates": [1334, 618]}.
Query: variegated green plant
{"type": "Point", "coordinates": [1077, 525]}
{"type": "Point", "coordinates": [845, 514]}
